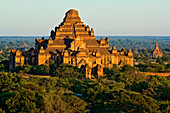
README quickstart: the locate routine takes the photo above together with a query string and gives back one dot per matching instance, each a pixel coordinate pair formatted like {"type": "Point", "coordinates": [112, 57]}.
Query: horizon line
{"type": "Point", "coordinates": [96, 35]}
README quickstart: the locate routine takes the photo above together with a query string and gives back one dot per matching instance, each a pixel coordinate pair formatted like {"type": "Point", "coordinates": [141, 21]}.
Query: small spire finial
{"type": "Point", "coordinates": [156, 45]}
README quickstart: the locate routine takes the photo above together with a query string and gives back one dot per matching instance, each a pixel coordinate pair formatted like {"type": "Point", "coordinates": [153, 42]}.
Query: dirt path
{"type": "Point", "coordinates": [42, 76]}
{"type": "Point", "coordinates": [160, 74]}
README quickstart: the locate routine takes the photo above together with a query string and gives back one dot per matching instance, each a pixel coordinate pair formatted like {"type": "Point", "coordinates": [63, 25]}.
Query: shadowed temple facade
{"type": "Point", "coordinates": [74, 43]}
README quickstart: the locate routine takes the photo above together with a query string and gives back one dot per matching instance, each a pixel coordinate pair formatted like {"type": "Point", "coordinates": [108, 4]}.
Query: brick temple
{"type": "Point", "coordinates": [156, 52]}
{"type": "Point", "coordinates": [74, 43]}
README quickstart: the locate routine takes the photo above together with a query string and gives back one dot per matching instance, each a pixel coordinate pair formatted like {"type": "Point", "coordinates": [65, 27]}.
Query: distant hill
{"type": "Point", "coordinates": [134, 38]}
{"type": "Point", "coordinates": [137, 38]}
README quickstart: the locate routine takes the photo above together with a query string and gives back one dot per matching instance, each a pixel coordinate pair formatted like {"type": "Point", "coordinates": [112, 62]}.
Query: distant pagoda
{"type": "Point", "coordinates": [156, 52]}
{"type": "Point", "coordinates": [74, 43]}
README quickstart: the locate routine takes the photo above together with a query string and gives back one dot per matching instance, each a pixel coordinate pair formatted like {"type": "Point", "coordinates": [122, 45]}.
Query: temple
{"type": "Point", "coordinates": [74, 43]}
{"type": "Point", "coordinates": [156, 52]}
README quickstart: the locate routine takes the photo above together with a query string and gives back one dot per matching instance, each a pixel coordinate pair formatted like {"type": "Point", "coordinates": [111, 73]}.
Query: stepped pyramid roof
{"type": "Point", "coordinates": [69, 31]}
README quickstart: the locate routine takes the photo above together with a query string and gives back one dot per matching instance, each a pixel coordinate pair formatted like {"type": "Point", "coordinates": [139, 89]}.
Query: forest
{"type": "Point", "coordinates": [121, 90]}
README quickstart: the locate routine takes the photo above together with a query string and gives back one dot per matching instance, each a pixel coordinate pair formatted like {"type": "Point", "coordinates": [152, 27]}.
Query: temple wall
{"type": "Point", "coordinates": [131, 61]}
{"type": "Point", "coordinates": [41, 59]}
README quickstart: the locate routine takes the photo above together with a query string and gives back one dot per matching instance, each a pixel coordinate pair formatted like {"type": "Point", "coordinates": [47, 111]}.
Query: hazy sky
{"type": "Point", "coordinates": [107, 17]}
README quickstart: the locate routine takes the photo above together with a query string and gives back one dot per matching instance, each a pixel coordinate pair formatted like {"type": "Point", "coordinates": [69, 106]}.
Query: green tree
{"type": "Point", "coordinates": [27, 68]}
{"type": "Point", "coordinates": [129, 68]}
{"type": "Point", "coordinates": [2, 67]}
{"type": "Point", "coordinates": [68, 71]}
{"type": "Point", "coordinates": [128, 101]}
{"type": "Point", "coordinates": [41, 69]}
{"type": "Point", "coordinates": [159, 60]}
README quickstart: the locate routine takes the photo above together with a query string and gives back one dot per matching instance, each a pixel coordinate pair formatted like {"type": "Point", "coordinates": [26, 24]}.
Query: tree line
{"type": "Point", "coordinates": [120, 90]}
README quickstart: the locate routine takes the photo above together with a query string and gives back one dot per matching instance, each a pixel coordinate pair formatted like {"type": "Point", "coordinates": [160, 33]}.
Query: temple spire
{"type": "Point", "coordinates": [156, 46]}
{"type": "Point", "coordinates": [72, 26]}
{"type": "Point", "coordinates": [72, 16]}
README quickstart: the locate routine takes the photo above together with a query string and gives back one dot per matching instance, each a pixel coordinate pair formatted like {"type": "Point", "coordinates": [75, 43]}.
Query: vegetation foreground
{"type": "Point", "coordinates": [121, 90]}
